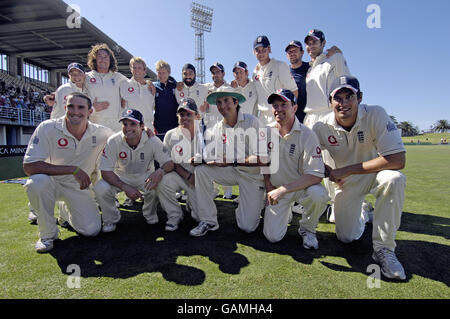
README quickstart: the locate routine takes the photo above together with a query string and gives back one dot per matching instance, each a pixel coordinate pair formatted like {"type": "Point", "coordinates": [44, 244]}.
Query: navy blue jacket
{"type": "Point", "coordinates": [299, 76]}
{"type": "Point", "coordinates": [165, 106]}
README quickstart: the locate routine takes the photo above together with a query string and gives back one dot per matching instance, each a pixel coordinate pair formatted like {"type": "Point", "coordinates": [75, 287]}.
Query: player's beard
{"type": "Point", "coordinates": [189, 82]}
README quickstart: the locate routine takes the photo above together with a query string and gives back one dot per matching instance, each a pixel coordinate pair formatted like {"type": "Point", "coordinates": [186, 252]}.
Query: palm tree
{"type": "Point", "coordinates": [408, 128]}
{"type": "Point", "coordinates": [441, 126]}
{"type": "Point", "coordinates": [394, 119]}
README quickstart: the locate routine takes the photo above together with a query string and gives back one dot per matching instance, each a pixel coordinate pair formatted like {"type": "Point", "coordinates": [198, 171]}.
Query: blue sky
{"type": "Point", "coordinates": [403, 66]}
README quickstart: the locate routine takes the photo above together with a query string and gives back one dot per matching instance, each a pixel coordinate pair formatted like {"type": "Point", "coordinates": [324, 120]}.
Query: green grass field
{"type": "Point", "coordinates": [144, 261]}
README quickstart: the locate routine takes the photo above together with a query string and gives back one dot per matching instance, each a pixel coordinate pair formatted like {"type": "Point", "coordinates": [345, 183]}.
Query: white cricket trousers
{"type": "Point", "coordinates": [167, 188]}
{"type": "Point", "coordinates": [83, 215]}
{"type": "Point", "coordinates": [388, 187]}
{"type": "Point", "coordinates": [276, 217]}
{"type": "Point", "coordinates": [106, 194]}
{"type": "Point", "coordinates": [248, 212]}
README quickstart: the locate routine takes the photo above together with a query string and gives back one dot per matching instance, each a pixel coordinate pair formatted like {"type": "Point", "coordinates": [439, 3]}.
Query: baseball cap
{"type": "Point", "coordinates": [241, 65]}
{"type": "Point", "coordinates": [132, 114]}
{"type": "Point", "coordinates": [261, 40]}
{"type": "Point", "coordinates": [294, 43]}
{"type": "Point", "coordinates": [217, 65]}
{"type": "Point", "coordinates": [187, 104]}
{"type": "Point", "coordinates": [75, 65]}
{"type": "Point", "coordinates": [346, 81]}
{"type": "Point", "coordinates": [285, 95]}
{"type": "Point", "coordinates": [316, 34]}
{"type": "Point", "coordinates": [188, 66]}
{"type": "Point", "coordinates": [228, 91]}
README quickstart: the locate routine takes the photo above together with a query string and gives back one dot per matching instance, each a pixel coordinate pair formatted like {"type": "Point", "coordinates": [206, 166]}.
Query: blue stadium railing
{"type": "Point", "coordinates": [19, 116]}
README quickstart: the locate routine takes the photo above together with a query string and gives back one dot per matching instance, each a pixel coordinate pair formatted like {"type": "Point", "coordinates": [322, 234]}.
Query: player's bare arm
{"type": "Point", "coordinates": [41, 167]}
{"type": "Point", "coordinates": [184, 174]}
{"type": "Point", "coordinates": [302, 183]}
{"type": "Point", "coordinates": [155, 178]}
{"type": "Point", "coordinates": [389, 162]}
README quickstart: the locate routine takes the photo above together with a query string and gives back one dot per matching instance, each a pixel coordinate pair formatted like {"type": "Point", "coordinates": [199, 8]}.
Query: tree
{"type": "Point", "coordinates": [441, 126]}
{"type": "Point", "coordinates": [408, 128]}
{"type": "Point", "coordinates": [394, 119]}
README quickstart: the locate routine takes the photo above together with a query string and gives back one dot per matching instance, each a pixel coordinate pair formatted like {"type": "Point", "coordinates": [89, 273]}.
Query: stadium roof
{"type": "Point", "coordinates": [38, 31]}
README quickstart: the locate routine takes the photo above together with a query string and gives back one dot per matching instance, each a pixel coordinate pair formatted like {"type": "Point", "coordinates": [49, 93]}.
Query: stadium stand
{"type": "Point", "coordinates": [38, 39]}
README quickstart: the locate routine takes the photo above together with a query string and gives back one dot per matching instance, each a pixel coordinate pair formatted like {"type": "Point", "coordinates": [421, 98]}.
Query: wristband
{"type": "Point", "coordinates": [76, 171]}
{"type": "Point", "coordinates": [235, 163]}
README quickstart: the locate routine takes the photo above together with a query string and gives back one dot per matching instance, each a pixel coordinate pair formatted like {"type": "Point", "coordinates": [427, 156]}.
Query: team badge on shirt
{"type": "Point", "coordinates": [36, 140]}
{"type": "Point", "coordinates": [391, 127]}
{"type": "Point", "coordinates": [142, 156]}
{"type": "Point", "coordinates": [113, 81]}
{"type": "Point", "coordinates": [360, 136]}
{"type": "Point", "coordinates": [292, 150]}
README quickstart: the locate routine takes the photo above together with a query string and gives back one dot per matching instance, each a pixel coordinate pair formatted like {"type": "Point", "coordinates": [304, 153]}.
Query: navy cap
{"type": "Point", "coordinates": [217, 65]}
{"type": "Point", "coordinates": [132, 114]}
{"type": "Point", "coordinates": [346, 81]}
{"type": "Point", "coordinates": [316, 34]}
{"type": "Point", "coordinates": [187, 104]}
{"type": "Point", "coordinates": [294, 43]}
{"type": "Point", "coordinates": [240, 64]}
{"type": "Point", "coordinates": [285, 95]}
{"type": "Point", "coordinates": [188, 66]}
{"type": "Point", "coordinates": [75, 65]}
{"type": "Point", "coordinates": [261, 40]}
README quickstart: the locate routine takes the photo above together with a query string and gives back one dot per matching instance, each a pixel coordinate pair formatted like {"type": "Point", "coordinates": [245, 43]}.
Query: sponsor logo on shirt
{"type": "Point", "coordinates": [181, 94]}
{"type": "Point", "coordinates": [332, 140]}
{"type": "Point", "coordinates": [123, 155]}
{"type": "Point", "coordinates": [131, 89]}
{"type": "Point", "coordinates": [318, 153]}
{"type": "Point", "coordinates": [63, 142]}
{"type": "Point", "coordinates": [104, 153]}
{"type": "Point", "coordinates": [92, 80]}
{"type": "Point", "coordinates": [179, 150]}
{"type": "Point", "coordinates": [270, 146]}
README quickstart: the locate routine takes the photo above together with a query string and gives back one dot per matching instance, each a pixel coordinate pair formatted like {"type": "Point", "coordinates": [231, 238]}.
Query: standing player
{"type": "Point", "coordinates": [300, 171]}
{"type": "Point", "coordinates": [323, 71]}
{"type": "Point", "coordinates": [103, 84]}
{"type": "Point", "coordinates": [368, 152]}
{"type": "Point", "coordinates": [189, 88]}
{"type": "Point", "coordinates": [269, 76]}
{"type": "Point", "coordinates": [245, 87]}
{"type": "Point", "coordinates": [59, 159]}
{"type": "Point", "coordinates": [76, 84]}
{"type": "Point", "coordinates": [135, 92]}
{"type": "Point", "coordinates": [240, 149]}
{"type": "Point", "coordinates": [127, 165]}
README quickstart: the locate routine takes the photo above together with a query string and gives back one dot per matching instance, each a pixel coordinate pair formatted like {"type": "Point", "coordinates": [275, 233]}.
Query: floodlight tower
{"type": "Point", "coordinates": [201, 21]}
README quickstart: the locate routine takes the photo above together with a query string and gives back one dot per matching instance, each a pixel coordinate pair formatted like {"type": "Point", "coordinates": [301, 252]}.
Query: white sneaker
{"type": "Point", "coordinates": [171, 227]}
{"type": "Point", "coordinates": [178, 195]}
{"type": "Point", "coordinates": [153, 220]}
{"type": "Point", "coordinates": [309, 239]}
{"type": "Point", "coordinates": [116, 201]}
{"type": "Point", "coordinates": [390, 266]}
{"type": "Point", "coordinates": [298, 209]}
{"type": "Point", "coordinates": [202, 229]}
{"type": "Point", "coordinates": [108, 228]}
{"type": "Point", "coordinates": [367, 211]}
{"type": "Point", "coordinates": [227, 195]}
{"type": "Point", "coordinates": [32, 218]}
{"type": "Point", "coordinates": [45, 245]}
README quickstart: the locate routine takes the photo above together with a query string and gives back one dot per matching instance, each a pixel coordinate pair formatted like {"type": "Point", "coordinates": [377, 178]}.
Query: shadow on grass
{"type": "Point", "coordinates": [136, 248]}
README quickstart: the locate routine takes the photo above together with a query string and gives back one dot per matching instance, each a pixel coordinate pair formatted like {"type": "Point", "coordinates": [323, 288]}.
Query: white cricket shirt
{"type": "Point", "coordinates": [61, 94]}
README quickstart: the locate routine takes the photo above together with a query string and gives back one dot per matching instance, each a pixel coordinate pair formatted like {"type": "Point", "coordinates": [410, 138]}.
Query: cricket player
{"type": "Point", "coordinates": [300, 170]}
{"type": "Point", "coordinates": [76, 84]}
{"type": "Point", "coordinates": [269, 75]}
{"type": "Point", "coordinates": [322, 72]}
{"type": "Point", "coordinates": [127, 165]}
{"type": "Point", "coordinates": [213, 115]}
{"type": "Point", "coordinates": [136, 94]}
{"type": "Point", "coordinates": [185, 148]}
{"type": "Point", "coordinates": [103, 86]}
{"type": "Point", "coordinates": [368, 153]}
{"type": "Point", "coordinates": [239, 148]}
{"type": "Point", "coordinates": [59, 159]}
{"type": "Point", "coordinates": [245, 87]}
{"type": "Point", "coordinates": [189, 88]}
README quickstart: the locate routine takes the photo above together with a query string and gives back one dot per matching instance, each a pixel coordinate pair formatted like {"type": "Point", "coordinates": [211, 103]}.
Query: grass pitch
{"type": "Point", "coordinates": [144, 261]}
